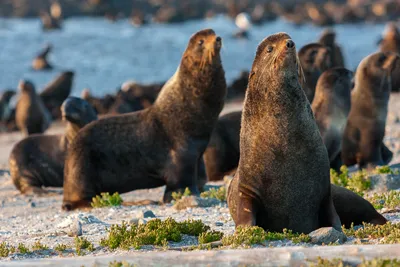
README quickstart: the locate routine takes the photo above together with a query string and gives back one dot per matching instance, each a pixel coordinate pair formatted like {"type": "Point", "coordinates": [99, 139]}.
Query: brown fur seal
{"type": "Point", "coordinates": [38, 160]}
{"type": "Point", "coordinates": [314, 59]}
{"type": "Point", "coordinates": [31, 115]}
{"type": "Point", "coordinates": [331, 106]}
{"type": "Point", "coordinates": [40, 62]}
{"type": "Point", "coordinates": [237, 90]}
{"type": "Point", "coordinates": [352, 208]}
{"type": "Point", "coordinates": [160, 145]}
{"type": "Point", "coordinates": [5, 109]}
{"type": "Point", "coordinates": [222, 154]}
{"type": "Point", "coordinates": [56, 92]}
{"type": "Point", "coordinates": [328, 38]}
{"type": "Point", "coordinates": [363, 137]}
{"type": "Point", "coordinates": [283, 178]}
{"type": "Point", "coordinates": [391, 39]}
{"type": "Point", "coordinates": [101, 105]}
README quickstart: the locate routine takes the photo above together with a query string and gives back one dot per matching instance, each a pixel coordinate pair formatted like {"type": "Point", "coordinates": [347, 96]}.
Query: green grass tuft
{"type": "Point", "coordinates": [388, 233]}
{"type": "Point", "coordinates": [82, 243]}
{"type": "Point", "coordinates": [6, 249]}
{"type": "Point", "coordinates": [154, 232]}
{"type": "Point", "coordinates": [385, 170]}
{"type": "Point", "coordinates": [60, 248]}
{"type": "Point", "coordinates": [219, 193]}
{"type": "Point", "coordinates": [39, 246]}
{"type": "Point", "coordinates": [210, 236]}
{"type": "Point", "coordinates": [178, 195]}
{"type": "Point", "coordinates": [358, 182]}
{"type": "Point", "coordinates": [23, 249]}
{"type": "Point", "coordinates": [389, 200]}
{"type": "Point", "coordinates": [106, 200]}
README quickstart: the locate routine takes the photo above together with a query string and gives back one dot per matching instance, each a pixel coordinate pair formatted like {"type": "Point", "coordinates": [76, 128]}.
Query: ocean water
{"type": "Point", "coordinates": [104, 55]}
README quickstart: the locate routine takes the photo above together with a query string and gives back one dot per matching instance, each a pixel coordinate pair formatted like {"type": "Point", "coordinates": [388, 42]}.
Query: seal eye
{"type": "Point", "coordinates": [201, 42]}
{"type": "Point", "coordinates": [269, 48]}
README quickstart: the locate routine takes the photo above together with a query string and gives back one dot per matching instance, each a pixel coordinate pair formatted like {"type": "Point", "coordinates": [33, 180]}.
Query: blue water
{"type": "Point", "coordinates": [104, 55]}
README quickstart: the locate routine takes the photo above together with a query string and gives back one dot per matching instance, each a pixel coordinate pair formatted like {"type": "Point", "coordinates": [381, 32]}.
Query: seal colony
{"type": "Point", "coordinates": [283, 178]}
{"type": "Point", "coordinates": [147, 149]}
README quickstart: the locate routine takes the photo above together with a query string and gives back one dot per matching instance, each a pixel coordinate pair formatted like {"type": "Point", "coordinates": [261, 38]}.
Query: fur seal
{"type": "Point", "coordinates": [331, 107]}
{"type": "Point", "coordinates": [223, 152]}
{"type": "Point", "coordinates": [237, 90]}
{"type": "Point", "coordinates": [56, 92]}
{"type": "Point", "coordinates": [328, 38]}
{"type": "Point", "coordinates": [363, 136]}
{"type": "Point", "coordinates": [38, 160]}
{"type": "Point", "coordinates": [391, 39]}
{"type": "Point", "coordinates": [5, 109]}
{"type": "Point", "coordinates": [31, 115]}
{"type": "Point", "coordinates": [283, 178]}
{"type": "Point", "coordinates": [40, 62]}
{"type": "Point", "coordinates": [314, 59]}
{"type": "Point", "coordinates": [151, 147]}
{"type": "Point", "coordinates": [101, 105]}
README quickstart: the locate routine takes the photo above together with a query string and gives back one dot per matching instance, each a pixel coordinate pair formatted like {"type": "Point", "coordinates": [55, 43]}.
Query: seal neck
{"type": "Point", "coordinates": [71, 131]}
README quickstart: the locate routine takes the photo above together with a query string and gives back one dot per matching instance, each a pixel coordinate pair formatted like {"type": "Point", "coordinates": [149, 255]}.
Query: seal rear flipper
{"type": "Point", "coordinates": [328, 216]}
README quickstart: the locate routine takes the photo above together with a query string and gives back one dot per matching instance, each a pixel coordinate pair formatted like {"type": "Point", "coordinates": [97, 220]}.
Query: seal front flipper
{"type": "Point", "coordinates": [246, 209]}
{"type": "Point", "coordinates": [328, 215]}
{"type": "Point", "coordinates": [177, 176]}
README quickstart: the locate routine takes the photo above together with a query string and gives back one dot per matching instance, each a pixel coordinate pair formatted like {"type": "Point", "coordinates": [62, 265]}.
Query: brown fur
{"type": "Point", "coordinates": [365, 128]}
{"type": "Point", "coordinates": [391, 39]}
{"type": "Point", "coordinates": [31, 115]}
{"type": "Point", "coordinates": [161, 145]}
{"type": "Point", "coordinates": [282, 179]}
{"type": "Point", "coordinates": [314, 59]}
{"type": "Point", "coordinates": [331, 106]}
{"type": "Point", "coordinates": [40, 62]}
{"type": "Point", "coordinates": [328, 38]}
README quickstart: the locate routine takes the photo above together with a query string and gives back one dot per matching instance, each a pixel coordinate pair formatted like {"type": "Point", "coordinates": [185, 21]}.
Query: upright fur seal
{"type": "Point", "coordinates": [283, 178]}
{"type": "Point", "coordinates": [223, 152]}
{"type": "Point", "coordinates": [160, 145]}
{"type": "Point", "coordinates": [331, 107]}
{"type": "Point", "coordinates": [363, 136]}
{"type": "Point", "coordinates": [31, 115]}
{"type": "Point", "coordinates": [314, 59]}
{"type": "Point", "coordinates": [40, 62]}
{"type": "Point", "coordinates": [328, 38]}
{"type": "Point", "coordinates": [5, 109]}
{"type": "Point", "coordinates": [391, 39]}
{"type": "Point", "coordinates": [56, 92]}
{"type": "Point", "coordinates": [38, 160]}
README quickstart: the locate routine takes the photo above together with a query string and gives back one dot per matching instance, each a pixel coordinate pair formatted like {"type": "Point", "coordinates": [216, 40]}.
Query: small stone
{"type": "Point", "coordinates": [147, 214]}
{"type": "Point", "coordinates": [219, 223]}
{"type": "Point", "coordinates": [134, 221]}
{"type": "Point", "coordinates": [32, 204]}
{"type": "Point", "coordinates": [75, 229]}
{"type": "Point", "coordinates": [195, 201]}
{"type": "Point", "coordinates": [327, 235]}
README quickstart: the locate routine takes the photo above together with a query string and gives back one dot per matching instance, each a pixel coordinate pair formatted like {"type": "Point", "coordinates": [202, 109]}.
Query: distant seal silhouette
{"type": "Point", "coordinates": [314, 59]}
{"type": "Point", "coordinates": [5, 108]}
{"type": "Point", "coordinates": [54, 94]}
{"type": "Point", "coordinates": [31, 115]}
{"type": "Point", "coordinates": [102, 105]}
{"type": "Point", "coordinates": [38, 160]}
{"type": "Point", "coordinates": [40, 62]}
{"type": "Point", "coordinates": [363, 136]}
{"type": "Point", "coordinates": [391, 39]}
{"type": "Point", "coordinates": [223, 152]}
{"type": "Point", "coordinates": [283, 178]}
{"type": "Point", "coordinates": [331, 107]}
{"type": "Point", "coordinates": [352, 208]}
{"type": "Point", "coordinates": [328, 38]}
{"type": "Point", "coordinates": [160, 145]}
{"type": "Point", "coordinates": [237, 90]}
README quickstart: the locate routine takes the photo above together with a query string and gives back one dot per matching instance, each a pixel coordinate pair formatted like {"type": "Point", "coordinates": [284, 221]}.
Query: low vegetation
{"type": "Point", "coordinates": [178, 195]}
{"type": "Point", "coordinates": [60, 248]}
{"type": "Point", "coordinates": [389, 200]}
{"type": "Point", "coordinates": [365, 263]}
{"type": "Point", "coordinates": [154, 232]}
{"type": "Point", "coordinates": [23, 249]}
{"type": "Point", "coordinates": [219, 193]}
{"type": "Point", "coordinates": [210, 236]}
{"type": "Point", "coordinates": [256, 235]}
{"type": "Point", "coordinates": [385, 170]}
{"type": "Point", "coordinates": [120, 264]}
{"type": "Point", "coordinates": [39, 246]}
{"type": "Point", "coordinates": [388, 233]}
{"type": "Point", "coordinates": [106, 200]}
{"type": "Point", "coordinates": [6, 249]}
{"type": "Point", "coordinates": [82, 243]}
{"type": "Point", "coordinates": [358, 182]}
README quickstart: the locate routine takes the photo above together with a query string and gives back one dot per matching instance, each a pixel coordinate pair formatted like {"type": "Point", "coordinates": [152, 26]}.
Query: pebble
{"type": "Point", "coordinates": [75, 229]}
{"type": "Point", "coordinates": [32, 204]}
{"type": "Point", "coordinates": [147, 214]}
{"type": "Point", "coordinates": [327, 235]}
{"type": "Point", "coordinates": [219, 224]}
{"type": "Point", "coordinates": [194, 201]}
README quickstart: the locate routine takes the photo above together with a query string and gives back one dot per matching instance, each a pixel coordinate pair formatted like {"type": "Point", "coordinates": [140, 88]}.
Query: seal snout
{"type": "Point", "coordinates": [290, 43]}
